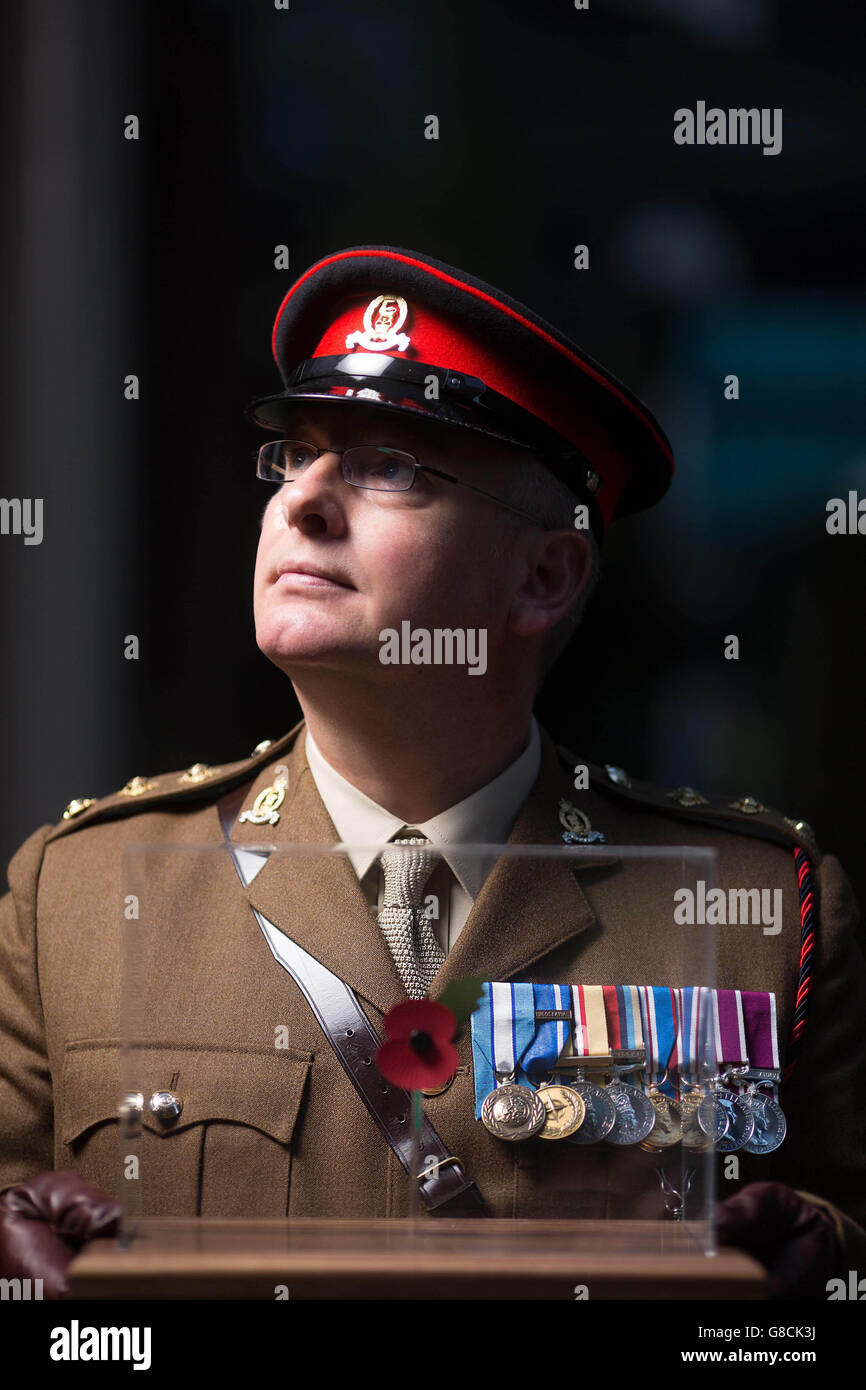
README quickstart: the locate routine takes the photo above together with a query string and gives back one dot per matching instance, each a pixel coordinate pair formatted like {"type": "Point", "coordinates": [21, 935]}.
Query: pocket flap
{"type": "Point", "coordinates": [260, 1087]}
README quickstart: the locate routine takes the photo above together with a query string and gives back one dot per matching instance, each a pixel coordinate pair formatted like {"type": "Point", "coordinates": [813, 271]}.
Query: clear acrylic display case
{"type": "Point", "coordinates": [233, 1103]}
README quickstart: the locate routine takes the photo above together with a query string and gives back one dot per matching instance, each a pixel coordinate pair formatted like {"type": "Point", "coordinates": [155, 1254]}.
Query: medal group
{"type": "Point", "coordinates": [550, 1062]}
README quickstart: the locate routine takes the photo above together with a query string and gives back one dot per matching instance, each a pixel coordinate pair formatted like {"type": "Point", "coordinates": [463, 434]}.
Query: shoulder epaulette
{"type": "Point", "coordinates": [745, 815]}
{"type": "Point", "coordinates": [192, 784]}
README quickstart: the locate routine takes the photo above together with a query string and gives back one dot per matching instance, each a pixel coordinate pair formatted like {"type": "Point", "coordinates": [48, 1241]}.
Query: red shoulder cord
{"type": "Point", "coordinates": [808, 923]}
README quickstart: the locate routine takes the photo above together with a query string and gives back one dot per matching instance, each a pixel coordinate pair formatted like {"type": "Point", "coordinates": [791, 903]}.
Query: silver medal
{"type": "Point", "coordinates": [600, 1116]}
{"type": "Point", "coordinates": [770, 1123]}
{"type": "Point", "coordinates": [741, 1121]}
{"type": "Point", "coordinates": [635, 1113]}
{"type": "Point", "coordinates": [712, 1118]}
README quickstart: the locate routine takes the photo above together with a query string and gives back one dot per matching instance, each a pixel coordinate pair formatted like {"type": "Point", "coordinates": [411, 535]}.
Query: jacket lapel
{"type": "Point", "coordinates": [315, 898]}
{"type": "Point", "coordinates": [528, 906]}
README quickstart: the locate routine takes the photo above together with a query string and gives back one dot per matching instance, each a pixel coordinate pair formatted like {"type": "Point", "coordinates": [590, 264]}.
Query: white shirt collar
{"type": "Point", "coordinates": [485, 817]}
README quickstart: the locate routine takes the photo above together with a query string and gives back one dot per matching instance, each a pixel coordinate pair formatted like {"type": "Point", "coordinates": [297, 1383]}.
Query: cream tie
{"type": "Point", "coordinates": [405, 924]}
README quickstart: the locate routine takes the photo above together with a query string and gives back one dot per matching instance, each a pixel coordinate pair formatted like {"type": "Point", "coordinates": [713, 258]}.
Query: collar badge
{"type": "Point", "coordinates": [577, 828]}
{"type": "Point", "coordinates": [266, 807]}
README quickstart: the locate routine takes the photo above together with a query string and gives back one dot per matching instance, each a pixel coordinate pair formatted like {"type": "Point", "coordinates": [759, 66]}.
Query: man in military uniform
{"type": "Point", "coordinates": [449, 461]}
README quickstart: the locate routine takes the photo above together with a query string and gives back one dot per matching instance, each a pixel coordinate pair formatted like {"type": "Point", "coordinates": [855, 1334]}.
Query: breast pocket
{"type": "Point", "coordinates": [228, 1152]}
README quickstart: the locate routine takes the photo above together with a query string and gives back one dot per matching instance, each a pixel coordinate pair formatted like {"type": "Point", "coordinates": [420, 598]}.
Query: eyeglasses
{"type": "Point", "coordinates": [376, 467]}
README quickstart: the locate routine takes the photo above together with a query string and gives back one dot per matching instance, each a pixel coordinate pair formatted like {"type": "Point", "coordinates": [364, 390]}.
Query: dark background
{"type": "Point", "coordinates": [305, 127]}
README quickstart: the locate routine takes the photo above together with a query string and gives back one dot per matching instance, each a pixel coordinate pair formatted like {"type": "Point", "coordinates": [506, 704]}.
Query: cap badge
{"type": "Point", "coordinates": [383, 319]}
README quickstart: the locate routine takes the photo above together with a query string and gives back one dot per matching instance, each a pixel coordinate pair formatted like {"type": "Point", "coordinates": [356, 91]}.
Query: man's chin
{"type": "Point", "coordinates": [294, 657]}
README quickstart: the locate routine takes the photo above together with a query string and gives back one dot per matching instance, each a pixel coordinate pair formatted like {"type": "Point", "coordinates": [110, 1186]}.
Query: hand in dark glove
{"type": "Point", "coordinates": [796, 1241]}
{"type": "Point", "coordinates": [43, 1223]}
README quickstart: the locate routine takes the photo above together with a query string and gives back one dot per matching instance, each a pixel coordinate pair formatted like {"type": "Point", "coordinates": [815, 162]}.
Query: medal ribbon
{"type": "Point", "coordinates": [759, 1012]}
{"type": "Point", "coordinates": [503, 1027]}
{"type": "Point", "coordinates": [551, 1035]}
{"type": "Point", "coordinates": [659, 1015]}
{"type": "Point", "coordinates": [690, 1049]}
{"type": "Point", "coordinates": [624, 1022]}
{"type": "Point", "coordinates": [729, 1026]}
{"type": "Point", "coordinates": [669, 1022]}
{"type": "Point", "coordinates": [589, 1035]}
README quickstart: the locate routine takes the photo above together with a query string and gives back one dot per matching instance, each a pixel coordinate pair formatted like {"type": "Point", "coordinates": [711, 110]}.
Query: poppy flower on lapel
{"type": "Point", "coordinates": [419, 1049]}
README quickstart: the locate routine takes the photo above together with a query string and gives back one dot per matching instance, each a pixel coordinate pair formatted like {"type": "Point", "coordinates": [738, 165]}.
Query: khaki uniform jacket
{"type": "Point", "coordinates": [268, 1131]}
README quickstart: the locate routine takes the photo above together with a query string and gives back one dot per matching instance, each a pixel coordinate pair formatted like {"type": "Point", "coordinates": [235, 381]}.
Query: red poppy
{"type": "Point", "coordinates": [419, 1051]}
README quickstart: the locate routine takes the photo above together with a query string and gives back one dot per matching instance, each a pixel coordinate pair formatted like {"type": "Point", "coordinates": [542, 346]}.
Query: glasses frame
{"type": "Point", "coordinates": [418, 467]}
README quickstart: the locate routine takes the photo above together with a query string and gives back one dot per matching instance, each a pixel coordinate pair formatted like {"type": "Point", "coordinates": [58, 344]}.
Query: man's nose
{"type": "Point", "coordinates": [316, 490]}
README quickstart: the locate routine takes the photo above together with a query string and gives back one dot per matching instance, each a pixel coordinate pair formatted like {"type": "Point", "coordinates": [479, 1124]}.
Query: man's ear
{"type": "Point", "coordinates": [556, 566]}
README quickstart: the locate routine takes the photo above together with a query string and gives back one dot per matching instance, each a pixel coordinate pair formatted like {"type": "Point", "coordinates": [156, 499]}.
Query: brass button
{"type": "Point", "coordinates": [617, 775]}
{"type": "Point", "coordinates": [261, 747]}
{"type": "Point", "coordinates": [801, 827]}
{"type": "Point", "coordinates": [165, 1106]}
{"type": "Point", "coordinates": [130, 1111]}
{"type": "Point", "coordinates": [131, 1104]}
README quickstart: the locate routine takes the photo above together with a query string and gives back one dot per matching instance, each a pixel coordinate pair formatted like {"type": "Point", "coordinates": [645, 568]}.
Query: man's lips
{"type": "Point", "coordinates": [296, 574]}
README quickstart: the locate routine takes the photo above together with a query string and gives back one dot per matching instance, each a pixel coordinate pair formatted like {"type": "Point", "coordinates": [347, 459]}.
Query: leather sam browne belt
{"type": "Point", "coordinates": [444, 1186]}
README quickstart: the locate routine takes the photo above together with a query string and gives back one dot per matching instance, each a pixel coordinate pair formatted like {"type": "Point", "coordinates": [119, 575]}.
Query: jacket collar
{"type": "Point", "coordinates": [526, 908]}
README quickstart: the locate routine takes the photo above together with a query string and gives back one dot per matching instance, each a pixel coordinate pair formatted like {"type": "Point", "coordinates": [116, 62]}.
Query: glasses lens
{"type": "Point", "coordinates": [280, 459]}
{"type": "Point", "coordinates": [378, 467]}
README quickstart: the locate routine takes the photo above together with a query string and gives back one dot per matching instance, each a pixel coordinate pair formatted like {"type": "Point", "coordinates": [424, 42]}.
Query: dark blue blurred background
{"type": "Point", "coordinates": [305, 127]}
